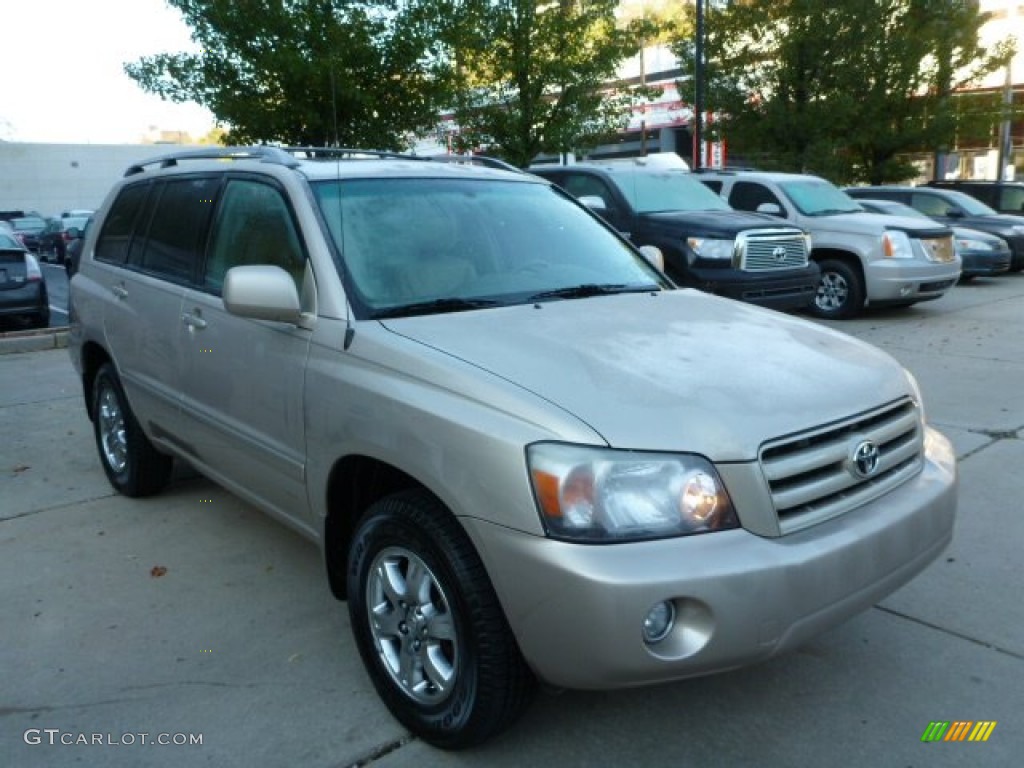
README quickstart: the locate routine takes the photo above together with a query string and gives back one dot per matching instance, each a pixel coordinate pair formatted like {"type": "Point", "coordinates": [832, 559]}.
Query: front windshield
{"type": "Point", "coordinates": [412, 246]}
{"type": "Point", "coordinates": [667, 191]}
{"type": "Point", "coordinates": [817, 197]}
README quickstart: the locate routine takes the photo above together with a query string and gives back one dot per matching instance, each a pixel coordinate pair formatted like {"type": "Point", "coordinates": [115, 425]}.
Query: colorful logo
{"type": "Point", "coordinates": [958, 730]}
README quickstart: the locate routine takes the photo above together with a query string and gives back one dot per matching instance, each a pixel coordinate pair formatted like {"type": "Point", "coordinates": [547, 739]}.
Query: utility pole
{"type": "Point", "coordinates": [698, 87]}
{"type": "Point", "coordinates": [1005, 127]}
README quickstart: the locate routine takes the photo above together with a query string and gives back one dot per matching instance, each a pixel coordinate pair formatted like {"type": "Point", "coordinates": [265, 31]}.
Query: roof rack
{"type": "Point", "coordinates": [483, 160]}
{"type": "Point", "coordinates": [290, 156]}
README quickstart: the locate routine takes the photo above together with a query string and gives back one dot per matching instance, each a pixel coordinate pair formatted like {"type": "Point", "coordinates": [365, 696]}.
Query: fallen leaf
{"type": "Point", "coordinates": [157, 571]}
{"type": "Point", "coordinates": [21, 468]}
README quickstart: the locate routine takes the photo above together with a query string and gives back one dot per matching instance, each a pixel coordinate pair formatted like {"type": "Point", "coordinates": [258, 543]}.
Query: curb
{"type": "Point", "coordinates": [33, 341]}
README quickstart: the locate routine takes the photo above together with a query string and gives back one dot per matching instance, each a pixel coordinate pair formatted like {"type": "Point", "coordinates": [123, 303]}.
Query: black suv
{"type": "Point", "coordinates": [955, 209]}
{"type": "Point", "coordinates": [706, 244]}
{"type": "Point", "coordinates": [1001, 196]}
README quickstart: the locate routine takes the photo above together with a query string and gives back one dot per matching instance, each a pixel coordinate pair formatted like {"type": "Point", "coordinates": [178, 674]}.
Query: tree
{"type": "Point", "coordinates": [532, 77]}
{"type": "Point", "coordinates": [307, 72]}
{"type": "Point", "coordinates": [842, 89]}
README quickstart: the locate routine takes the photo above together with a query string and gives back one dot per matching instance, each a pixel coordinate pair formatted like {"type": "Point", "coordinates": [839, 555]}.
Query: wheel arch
{"type": "Point", "coordinates": [92, 357]}
{"type": "Point", "coordinates": [354, 483]}
{"type": "Point", "coordinates": [849, 258]}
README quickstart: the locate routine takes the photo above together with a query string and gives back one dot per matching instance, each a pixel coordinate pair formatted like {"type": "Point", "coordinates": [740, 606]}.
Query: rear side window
{"type": "Point", "coordinates": [1012, 199]}
{"type": "Point", "coordinates": [112, 246]}
{"type": "Point", "coordinates": [177, 231]}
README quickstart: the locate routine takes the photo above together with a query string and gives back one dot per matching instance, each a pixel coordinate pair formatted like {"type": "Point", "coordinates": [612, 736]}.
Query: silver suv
{"type": "Point", "coordinates": [524, 454]}
{"type": "Point", "coordinates": [866, 259]}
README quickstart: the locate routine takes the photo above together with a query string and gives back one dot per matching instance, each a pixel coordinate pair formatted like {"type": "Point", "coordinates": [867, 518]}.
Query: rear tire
{"type": "Point", "coordinates": [840, 294]}
{"type": "Point", "coordinates": [429, 626]}
{"type": "Point", "coordinates": [133, 466]}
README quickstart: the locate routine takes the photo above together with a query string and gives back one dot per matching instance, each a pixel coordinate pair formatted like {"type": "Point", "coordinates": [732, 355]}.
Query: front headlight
{"type": "Point", "coordinates": [896, 245]}
{"type": "Point", "coordinates": [708, 248]}
{"type": "Point", "coordinates": [599, 495]}
{"type": "Point", "coordinates": [969, 244]}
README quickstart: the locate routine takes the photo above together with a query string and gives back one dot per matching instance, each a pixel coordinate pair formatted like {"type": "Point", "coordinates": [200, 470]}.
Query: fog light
{"type": "Point", "coordinates": [658, 622]}
{"type": "Point", "coordinates": [906, 290]}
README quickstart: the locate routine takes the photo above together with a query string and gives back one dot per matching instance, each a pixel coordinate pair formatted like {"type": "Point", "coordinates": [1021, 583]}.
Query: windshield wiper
{"type": "Point", "coordinates": [592, 289]}
{"type": "Point", "coordinates": [434, 307]}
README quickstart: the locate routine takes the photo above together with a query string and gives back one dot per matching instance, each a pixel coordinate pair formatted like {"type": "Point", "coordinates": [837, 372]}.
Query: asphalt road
{"type": "Point", "coordinates": [192, 615]}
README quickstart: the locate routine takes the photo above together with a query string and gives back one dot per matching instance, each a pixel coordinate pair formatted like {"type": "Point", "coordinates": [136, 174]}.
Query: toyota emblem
{"type": "Point", "coordinates": [864, 459]}
{"type": "Point", "coordinates": [779, 253]}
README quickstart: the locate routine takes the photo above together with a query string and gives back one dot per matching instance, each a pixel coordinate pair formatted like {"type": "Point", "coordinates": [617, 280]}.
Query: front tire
{"type": "Point", "coordinates": [133, 466]}
{"type": "Point", "coordinates": [429, 626]}
{"type": "Point", "coordinates": [840, 294]}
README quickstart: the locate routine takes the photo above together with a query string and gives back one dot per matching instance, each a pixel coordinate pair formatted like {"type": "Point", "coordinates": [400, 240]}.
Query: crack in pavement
{"type": "Point", "coordinates": [378, 752]}
{"type": "Point", "coordinates": [58, 507]}
{"type": "Point", "coordinates": [952, 633]}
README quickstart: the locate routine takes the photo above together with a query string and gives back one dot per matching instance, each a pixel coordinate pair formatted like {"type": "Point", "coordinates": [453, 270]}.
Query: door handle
{"type": "Point", "coordinates": [193, 321]}
{"type": "Point", "coordinates": [119, 291]}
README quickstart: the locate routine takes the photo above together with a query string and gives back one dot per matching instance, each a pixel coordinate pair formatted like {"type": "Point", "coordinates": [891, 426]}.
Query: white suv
{"type": "Point", "coordinates": [866, 259]}
{"type": "Point", "coordinates": [524, 454]}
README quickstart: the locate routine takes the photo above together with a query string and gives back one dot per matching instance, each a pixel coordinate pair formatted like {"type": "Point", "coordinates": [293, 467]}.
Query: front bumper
{"type": "Point", "coordinates": [901, 280]}
{"type": "Point", "coordinates": [577, 610]}
{"type": "Point", "coordinates": [981, 263]}
{"type": "Point", "coordinates": [784, 290]}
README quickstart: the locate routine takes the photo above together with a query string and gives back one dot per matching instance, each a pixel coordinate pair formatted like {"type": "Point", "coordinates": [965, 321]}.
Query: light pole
{"type": "Point", "coordinates": [698, 86]}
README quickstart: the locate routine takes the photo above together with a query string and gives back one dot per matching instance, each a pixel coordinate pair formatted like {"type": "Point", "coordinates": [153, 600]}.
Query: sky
{"type": "Point", "coordinates": [63, 77]}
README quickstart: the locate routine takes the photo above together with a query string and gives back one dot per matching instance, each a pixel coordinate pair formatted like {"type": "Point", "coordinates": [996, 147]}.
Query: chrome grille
{"type": "Point", "coordinates": [813, 476]}
{"type": "Point", "coordinates": [762, 250]}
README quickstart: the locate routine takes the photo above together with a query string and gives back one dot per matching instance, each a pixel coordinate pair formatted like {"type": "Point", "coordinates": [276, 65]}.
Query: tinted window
{"type": "Point", "coordinates": [112, 245]}
{"type": "Point", "coordinates": [1012, 199]}
{"type": "Point", "coordinates": [254, 226]}
{"type": "Point", "coordinates": [747, 196]}
{"type": "Point", "coordinates": [173, 242]}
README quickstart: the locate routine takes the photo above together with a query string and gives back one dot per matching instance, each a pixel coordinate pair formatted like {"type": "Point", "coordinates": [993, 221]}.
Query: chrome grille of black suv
{"type": "Point", "coordinates": [764, 250]}
{"type": "Point", "coordinates": [814, 476]}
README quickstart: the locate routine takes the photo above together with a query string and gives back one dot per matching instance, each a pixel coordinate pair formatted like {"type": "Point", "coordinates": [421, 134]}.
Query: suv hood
{"type": "Point", "coordinates": [673, 371]}
{"type": "Point", "coordinates": [709, 223]}
{"type": "Point", "coordinates": [856, 223]}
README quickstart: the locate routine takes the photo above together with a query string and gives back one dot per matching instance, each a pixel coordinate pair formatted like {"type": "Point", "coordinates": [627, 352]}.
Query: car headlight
{"type": "Point", "coordinates": [969, 244]}
{"type": "Point", "coordinates": [896, 245]}
{"type": "Point", "coordinates": [709, 248]}
{"type": "Point", "coordinates": [600, 495]}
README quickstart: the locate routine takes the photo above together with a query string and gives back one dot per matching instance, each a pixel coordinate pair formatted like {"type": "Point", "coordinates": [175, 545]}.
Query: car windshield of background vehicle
{"type": "Point", "coordinates": [435, 245]}
{"type": "Point", "coordinates": [972, 206]}
{"type": "Point", "coordinates": [819, 198]}
{"type": "Point", "coordinates": [668, 191]}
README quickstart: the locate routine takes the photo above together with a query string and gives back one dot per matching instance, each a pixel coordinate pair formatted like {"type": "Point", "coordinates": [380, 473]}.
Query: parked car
{"type": "Point", "coordinates": [58, 233]}
{"type": "Point", "coordinates": [74, 248]}
{"type": "Point", "coordinates": [23, 293]}
{"type": "Point", "coordinates": [706, 244]}
{"type": "Point", "coordinates": [1000, 196]}
{"type": "Point", "coordinates": [865, 259]}
{"type": "Point", "coordinates": [981, 254]}
{"type": "Point", "coordinates": [524, 453]}
{"type": "Point", "coordinates": [950, 207]}
{"type": "Point", "coordinates": [27, 230]}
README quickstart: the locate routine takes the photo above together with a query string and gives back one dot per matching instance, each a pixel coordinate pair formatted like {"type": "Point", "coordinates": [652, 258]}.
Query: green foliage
{"type": "Point", "coordinates": [843, 89]}
{"type": "Point", "coordinates": [531, 76]}
{"type": "Point", "coordinates": [306, 71]}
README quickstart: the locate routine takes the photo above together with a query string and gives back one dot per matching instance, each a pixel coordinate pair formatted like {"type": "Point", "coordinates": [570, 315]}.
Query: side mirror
{"type": "Point", "coordinates": [654, 256]}
{"type": "Point", "coordinates": [955, 213]}
{"type": "Point", "coordinates": [772, 209]}
{"type": "Point", "coordinates": [262, 293]}
{"type": "Point", "coordinates": [594, 203]}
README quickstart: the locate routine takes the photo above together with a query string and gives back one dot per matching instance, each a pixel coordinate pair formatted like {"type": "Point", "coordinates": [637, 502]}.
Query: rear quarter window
{"type": "Point", "coordinates": [114, 239]}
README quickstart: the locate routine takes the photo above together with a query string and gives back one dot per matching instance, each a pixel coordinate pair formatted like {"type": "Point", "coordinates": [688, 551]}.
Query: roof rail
{"type": "Point", "coordinates": [290, 156]}
{"type": "Point", "coordinates": [265, 153]}
{"type": "Point", "coordinates": [484, 160]}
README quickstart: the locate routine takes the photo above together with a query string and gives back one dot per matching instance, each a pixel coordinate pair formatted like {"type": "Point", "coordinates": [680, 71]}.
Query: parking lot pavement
{"type": "Point", "coordinates": [191, 614]}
